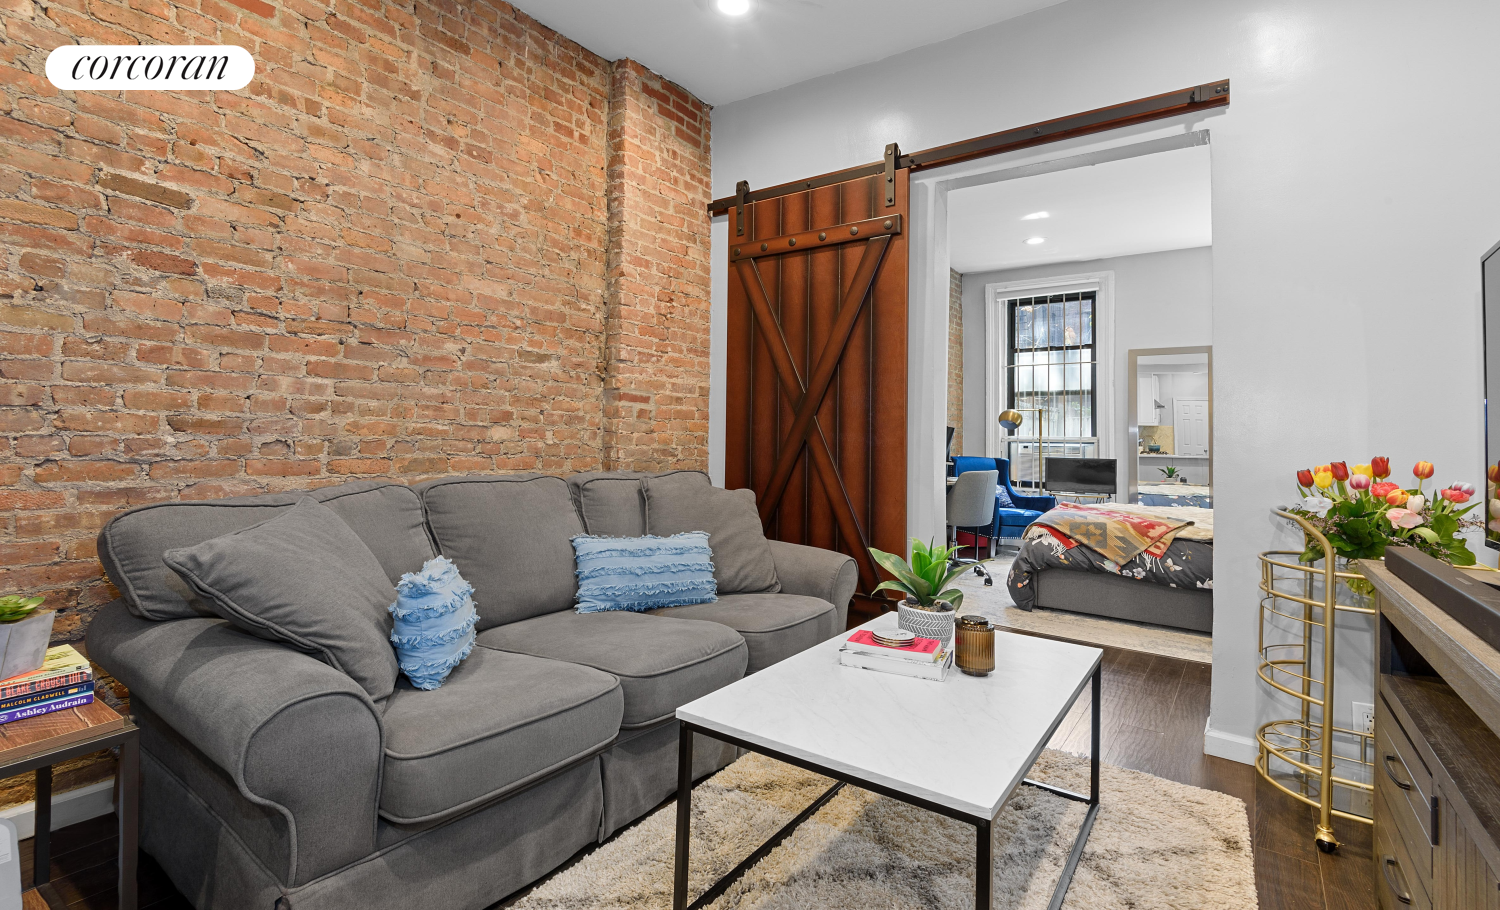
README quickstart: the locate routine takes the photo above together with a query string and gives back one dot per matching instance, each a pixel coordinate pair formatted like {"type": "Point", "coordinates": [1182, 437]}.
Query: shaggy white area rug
{"type": "Point", "coordinates": [1155, 844]}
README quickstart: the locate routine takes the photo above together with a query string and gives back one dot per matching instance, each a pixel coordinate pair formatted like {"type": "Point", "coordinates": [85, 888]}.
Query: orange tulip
{"type": "Point", "coordinates": [1422, 470]}
{"type": "Point", "coordinates": [1494, 473]}
{"type": "Point", "coordinates": [1397, 497]}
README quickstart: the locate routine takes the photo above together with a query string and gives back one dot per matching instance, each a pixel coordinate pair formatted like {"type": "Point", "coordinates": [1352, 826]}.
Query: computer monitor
{"type": "Point", "coordinates": [1080, 475]}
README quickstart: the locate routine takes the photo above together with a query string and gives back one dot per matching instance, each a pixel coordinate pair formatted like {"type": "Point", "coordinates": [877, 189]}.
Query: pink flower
{"type": "Point", "coordinates": [1404, 518]}
{"type": "Point", "coordinates": [1383, 488]}
{"type": "Point", "coordinates": [1463, 488]}
{"type": "Point", "coordinates": [1457, 497]}
{"type": "Point", "coordinates": [1359, 481]}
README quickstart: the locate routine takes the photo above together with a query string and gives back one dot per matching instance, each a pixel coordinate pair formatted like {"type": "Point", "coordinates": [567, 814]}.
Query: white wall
{"type": "Point", "coordinates": [1354, 192]}
{"type": "Point", "coordinates": [1161, 300]}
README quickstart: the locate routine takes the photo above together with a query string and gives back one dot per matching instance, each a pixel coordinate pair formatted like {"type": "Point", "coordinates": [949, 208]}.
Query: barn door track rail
{"type": "Point", "coordinates": [1157, 107]}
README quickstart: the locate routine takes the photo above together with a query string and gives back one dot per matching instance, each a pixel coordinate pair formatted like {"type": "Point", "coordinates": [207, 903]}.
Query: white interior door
{"type": "Point", "coordinates": [1190, 425]}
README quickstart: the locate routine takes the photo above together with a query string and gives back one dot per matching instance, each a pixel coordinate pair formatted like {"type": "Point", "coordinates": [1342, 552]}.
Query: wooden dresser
{"type": "Point", "coordinates": [1437, 761]}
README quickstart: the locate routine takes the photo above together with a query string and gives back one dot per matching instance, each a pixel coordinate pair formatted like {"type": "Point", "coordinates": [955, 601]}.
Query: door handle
{"type": "Point", "coordinates": [1403, 894]}
{"type": "Point", "coordinates": [1394, 779]}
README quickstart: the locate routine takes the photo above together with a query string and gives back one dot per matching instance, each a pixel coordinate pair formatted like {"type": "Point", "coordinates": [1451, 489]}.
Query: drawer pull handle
{"type": "Point", "coordinates": [1403, 894]}
{"type": "Point", "coordinates": [1394, 779]}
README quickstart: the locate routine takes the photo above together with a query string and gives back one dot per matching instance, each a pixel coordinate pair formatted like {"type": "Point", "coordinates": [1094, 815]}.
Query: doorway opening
{"type": "Point", "coordinates": [1071, 275]}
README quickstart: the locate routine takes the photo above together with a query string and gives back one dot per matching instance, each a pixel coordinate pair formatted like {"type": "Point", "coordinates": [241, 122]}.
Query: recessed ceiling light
{"type": "Point", "coordinates": [1035, 215]}
{"type": "Point", "coordinates": [733, 7]}
{"type": "Point", "coordinates": [1033, 241]}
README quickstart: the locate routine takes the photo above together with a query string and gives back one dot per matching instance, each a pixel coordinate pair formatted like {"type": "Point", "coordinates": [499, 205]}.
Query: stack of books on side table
{"type": "Point", "coordinates": [63, 681]}
{"type": "Point", "coordinates": [897, 652]}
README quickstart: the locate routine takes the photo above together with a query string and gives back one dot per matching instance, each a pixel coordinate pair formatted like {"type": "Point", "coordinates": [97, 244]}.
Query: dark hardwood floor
{"type": "Point", "coordinates": [1155, 709]}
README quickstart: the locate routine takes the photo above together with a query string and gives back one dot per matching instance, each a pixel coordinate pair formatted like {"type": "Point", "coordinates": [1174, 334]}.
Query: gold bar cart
{"type": "Point", "coordinates": [1305, 743]}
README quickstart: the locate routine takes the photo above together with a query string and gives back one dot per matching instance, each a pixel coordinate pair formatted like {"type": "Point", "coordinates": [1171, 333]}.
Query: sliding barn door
{"type": "Point", "coordinates": [816, 407]}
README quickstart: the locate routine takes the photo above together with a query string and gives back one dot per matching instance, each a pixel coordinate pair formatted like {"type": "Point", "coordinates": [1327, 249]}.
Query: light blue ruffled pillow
{"type": "Point", "coordinates": [435, 618]}
{"type": "Point", "coordinates": [644, 573]}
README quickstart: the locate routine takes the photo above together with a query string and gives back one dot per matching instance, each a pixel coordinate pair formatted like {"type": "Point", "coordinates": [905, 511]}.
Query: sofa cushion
{"type": "Point", "coordinates": [510, 536]}
{"type": "Point", "coordinates": [612, 503]}
{"type": "Point", "coordinates": [661, 663]}
{"type": "Point", "coordinates": [386, 516]}
{"type": "Point", "coordinates": [303, 578]}
{"type": "Point", "coordinates": [742, 557]}
{"type": "Point", "coordinates": [774, 626]}
{"type": "Point", "coordinates": [499, 722]}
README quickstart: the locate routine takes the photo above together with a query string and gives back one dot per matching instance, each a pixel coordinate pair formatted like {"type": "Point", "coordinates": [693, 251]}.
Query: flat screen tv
{"type": "Point", "coordinates": [1490, 283]}
{"type": "Point", "coordinates": [1080, 475]}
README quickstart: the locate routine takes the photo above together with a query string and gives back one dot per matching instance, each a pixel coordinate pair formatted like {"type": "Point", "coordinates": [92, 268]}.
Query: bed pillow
{"type": "Point", "coordinates": [303, 578]}
{"type": "Point", "coordinates": [742, 556]}
{"type": "Point", "coordinates": [434, 622]}
{"type": "Point", "coordinates": [643, 573]}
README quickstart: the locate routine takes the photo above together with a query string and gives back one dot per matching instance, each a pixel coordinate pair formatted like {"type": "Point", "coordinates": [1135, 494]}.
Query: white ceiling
{"type": "Point", "coordinates": [778, 43]}
{"type": "Point", "coordinates": [1120, 208]}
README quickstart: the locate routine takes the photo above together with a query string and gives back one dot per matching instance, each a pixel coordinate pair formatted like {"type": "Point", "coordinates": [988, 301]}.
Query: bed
{"type": "Point", "coordinates": [1065, 564]}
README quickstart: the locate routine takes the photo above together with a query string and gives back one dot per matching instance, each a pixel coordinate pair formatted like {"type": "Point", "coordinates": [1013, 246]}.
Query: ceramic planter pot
{"type": "Point", "coordinates": [23, 645]}
{"type": "Point", "coordinates": [927, 623]}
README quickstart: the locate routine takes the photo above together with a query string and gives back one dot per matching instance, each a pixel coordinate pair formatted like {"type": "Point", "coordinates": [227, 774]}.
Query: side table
{"type": "Point", "coordinates": [38, 743]}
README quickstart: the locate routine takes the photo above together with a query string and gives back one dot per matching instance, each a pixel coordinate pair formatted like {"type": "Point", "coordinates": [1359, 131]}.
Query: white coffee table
{"type": "Point", "coordinates": [838, 721]}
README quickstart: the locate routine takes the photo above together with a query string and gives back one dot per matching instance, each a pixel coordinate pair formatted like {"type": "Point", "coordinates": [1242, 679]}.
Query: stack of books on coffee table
{"type": "Point", "coordinates": [897, 651]}
{"type": "Point", "coordinates": [64, 681]}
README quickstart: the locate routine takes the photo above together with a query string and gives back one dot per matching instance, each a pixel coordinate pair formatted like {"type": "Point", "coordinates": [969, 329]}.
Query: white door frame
{"type": "Point", "coordinates": [929, 263]}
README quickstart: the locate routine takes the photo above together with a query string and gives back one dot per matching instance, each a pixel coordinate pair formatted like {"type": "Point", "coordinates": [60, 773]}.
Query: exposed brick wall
{"type": "Point", "coordinates": [657, 275]}
{"type": "Point", "coordinates": [387, 256]}
{"type": "Point", "coordinates": [956, 359]}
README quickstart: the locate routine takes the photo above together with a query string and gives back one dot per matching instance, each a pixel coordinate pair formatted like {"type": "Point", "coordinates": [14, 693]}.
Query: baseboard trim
{"type": "Point", "coordinates": [68, 808]}
{"type": "Point", "coordinates": [1229, 745]}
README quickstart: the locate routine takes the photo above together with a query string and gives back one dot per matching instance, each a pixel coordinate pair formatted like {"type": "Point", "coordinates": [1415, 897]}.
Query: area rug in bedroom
{"type": "Point", "coordinates": [995, 602]}
{"type": "Point", "coordinates": [1156, 844]}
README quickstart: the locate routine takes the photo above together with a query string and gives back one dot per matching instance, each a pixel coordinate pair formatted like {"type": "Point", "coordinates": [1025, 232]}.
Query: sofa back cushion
{"type": "Point", "coordinates": [386, 516]}
{"type": "Point", "coordinates": [613, 503]}
{"type": "Point", "coordinates": [679, 502]}
{"type": "Point", "coordinates": [511, 537]}
{"type": "Point", "coordinates": [305, 579]}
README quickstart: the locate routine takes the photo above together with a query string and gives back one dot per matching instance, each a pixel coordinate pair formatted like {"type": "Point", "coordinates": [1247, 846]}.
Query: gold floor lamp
{"type": "Point", "coordinates": [1010, 419]}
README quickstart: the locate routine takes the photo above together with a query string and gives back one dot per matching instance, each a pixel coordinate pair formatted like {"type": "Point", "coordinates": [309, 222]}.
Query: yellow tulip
{"type": "Point", "coordinates": [1363, 469]}
{"type": "Point", "coordinates": [1324, 479]}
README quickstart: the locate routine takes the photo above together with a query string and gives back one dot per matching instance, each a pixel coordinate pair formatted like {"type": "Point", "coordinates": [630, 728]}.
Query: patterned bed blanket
{"type": "Point", "coordinates": [1183, 563]}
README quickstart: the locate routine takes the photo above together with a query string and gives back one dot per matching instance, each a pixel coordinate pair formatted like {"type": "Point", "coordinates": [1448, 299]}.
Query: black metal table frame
{"type": "Point", "coordinates": [983, 870]}
{"type": "Point", "coordinates": [127, 806]}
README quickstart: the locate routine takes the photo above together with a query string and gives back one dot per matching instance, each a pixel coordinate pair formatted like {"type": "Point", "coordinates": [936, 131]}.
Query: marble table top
{"type": "Point", "coordinates": [964, 743]}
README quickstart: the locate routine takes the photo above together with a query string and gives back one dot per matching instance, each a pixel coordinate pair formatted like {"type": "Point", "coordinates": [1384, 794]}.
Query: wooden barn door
{"type": "Point", "coordinates": [816, 392]}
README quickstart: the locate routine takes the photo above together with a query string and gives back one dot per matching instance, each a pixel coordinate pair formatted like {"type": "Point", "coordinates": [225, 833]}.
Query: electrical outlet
{"type": "Point", "coordinates": [1364, 717]}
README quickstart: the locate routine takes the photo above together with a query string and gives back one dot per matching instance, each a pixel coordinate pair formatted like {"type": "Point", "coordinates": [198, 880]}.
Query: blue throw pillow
{"type": "Point", "coordinates": [644, 573]}
{"type": "Point", "coordinates": [434, 628]}
{"type": "Point", "coordinates": [1003, 500]}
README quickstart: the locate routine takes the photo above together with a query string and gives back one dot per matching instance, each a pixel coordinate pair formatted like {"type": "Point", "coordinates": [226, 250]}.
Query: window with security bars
{"type": "Point", "coordinates": [1050, 366]}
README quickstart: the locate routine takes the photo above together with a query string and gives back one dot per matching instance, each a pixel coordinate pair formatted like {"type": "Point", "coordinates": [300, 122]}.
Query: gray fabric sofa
{"type": "Point", "coordinates": [271, 779]}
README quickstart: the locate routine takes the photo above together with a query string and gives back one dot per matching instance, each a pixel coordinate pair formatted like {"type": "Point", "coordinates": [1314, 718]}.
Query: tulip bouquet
{"type": "Point", "coordinates": [1361, 513]}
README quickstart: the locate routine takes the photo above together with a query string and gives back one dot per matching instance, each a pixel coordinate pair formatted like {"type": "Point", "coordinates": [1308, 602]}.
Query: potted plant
{"type": "Point", "coordinates": [25, 634]}
{"type": "Point", "coordinates": [1170, 473]}
{"type": "Point", "coordinates": [930, 606]}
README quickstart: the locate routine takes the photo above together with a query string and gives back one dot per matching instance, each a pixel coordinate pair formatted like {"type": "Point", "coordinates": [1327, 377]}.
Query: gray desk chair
{"type": "Point", "coordinates": [971, 507]}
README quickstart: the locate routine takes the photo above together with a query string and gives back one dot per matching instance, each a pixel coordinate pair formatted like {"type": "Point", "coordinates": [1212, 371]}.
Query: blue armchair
{"type": "Point", "coordinates": [1009, 522]}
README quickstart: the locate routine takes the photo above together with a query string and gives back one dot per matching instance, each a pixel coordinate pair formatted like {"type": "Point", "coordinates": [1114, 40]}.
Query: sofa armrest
{"type": "Point", "coordinates": [816, 572]}
{"type": "Point", "coordinates": [294, 734]}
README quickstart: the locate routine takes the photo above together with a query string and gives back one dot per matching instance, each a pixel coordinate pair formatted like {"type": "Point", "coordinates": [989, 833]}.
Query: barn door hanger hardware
{"type": "Point", "coordinates": [741, 190]}
{"type": "Point", "coordinates": [892, 161]}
